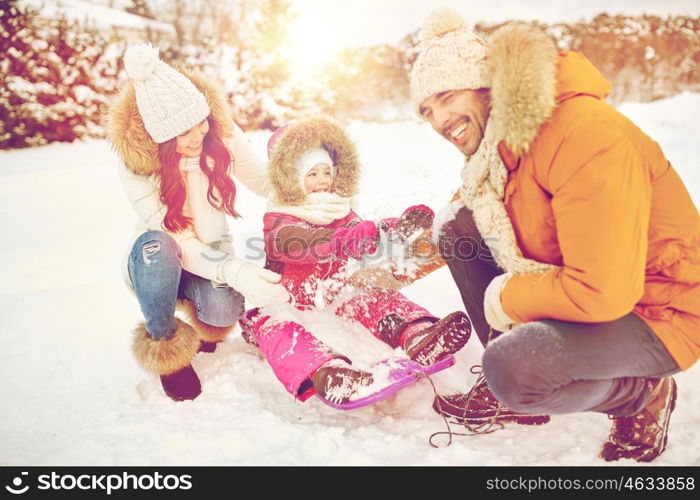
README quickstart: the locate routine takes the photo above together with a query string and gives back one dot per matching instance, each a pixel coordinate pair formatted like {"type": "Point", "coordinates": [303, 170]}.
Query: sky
{"type": "Point", "coordinates": [367, 22]}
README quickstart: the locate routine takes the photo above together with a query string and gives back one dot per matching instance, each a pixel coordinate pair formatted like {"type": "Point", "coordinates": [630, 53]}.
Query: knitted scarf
{"type": "Point", "coordinates": [319, 208]}
{"type": "Point", "coordinates": [484, 179]}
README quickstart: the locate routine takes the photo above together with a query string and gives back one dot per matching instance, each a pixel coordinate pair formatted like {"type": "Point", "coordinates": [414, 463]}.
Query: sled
{"type": "Point", "coordinates": [400, 373]}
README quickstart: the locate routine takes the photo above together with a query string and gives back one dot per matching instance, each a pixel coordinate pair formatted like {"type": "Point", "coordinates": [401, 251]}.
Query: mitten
{"type": "Point", "coordinates": [355, 241]}
{"type": "Point", "coordinates": [258, 286]}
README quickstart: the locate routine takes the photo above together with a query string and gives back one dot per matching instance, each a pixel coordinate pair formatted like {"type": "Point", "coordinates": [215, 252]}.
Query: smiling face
{"type": "Point", "coordinates": [191, 143]}
{"type": "Point", "coordinates": [459, 116]}
{"type": "Point", "coordinates": [319, 179]}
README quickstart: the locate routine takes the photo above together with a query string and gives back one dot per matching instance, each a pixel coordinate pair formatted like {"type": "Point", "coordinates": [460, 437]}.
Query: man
{"type": "Point", "coordinates": [590, 243]}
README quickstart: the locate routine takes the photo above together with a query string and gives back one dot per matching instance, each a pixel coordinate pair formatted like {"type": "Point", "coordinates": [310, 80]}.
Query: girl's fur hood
{"type": "Point", "coordinates": [297, 139]}
{"type": "Point", "coordinates": [129, 137]}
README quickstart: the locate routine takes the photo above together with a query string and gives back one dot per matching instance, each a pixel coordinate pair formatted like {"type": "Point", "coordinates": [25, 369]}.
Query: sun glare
{"type": "Point", "coordinates": [312, 44]}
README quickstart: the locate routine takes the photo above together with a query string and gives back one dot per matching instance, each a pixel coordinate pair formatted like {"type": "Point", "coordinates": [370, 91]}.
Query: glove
{"type": "Point", "coordinates": [256, 284]}
{"type": "Point", "coordinates": [375, 277]}
{"type": "Point", "coordinates": [355, 241]}
{"type": "Point", "coordinates": [414, 219]}
{"type": "Point", "coordinates": [493, 307]}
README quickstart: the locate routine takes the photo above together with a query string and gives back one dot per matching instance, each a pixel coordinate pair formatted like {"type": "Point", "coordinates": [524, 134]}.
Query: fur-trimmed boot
{"type": "Point", "coordinates": [170, 358]}
{"type": "Point", "coordinates": [209, 336]}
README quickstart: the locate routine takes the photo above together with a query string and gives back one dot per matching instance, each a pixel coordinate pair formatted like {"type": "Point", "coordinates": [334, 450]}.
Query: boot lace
{"type": "Point", "coordinates": [490, 425]}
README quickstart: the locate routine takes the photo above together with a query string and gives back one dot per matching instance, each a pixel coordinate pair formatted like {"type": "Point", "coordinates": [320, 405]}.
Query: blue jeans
{"type": "Point", "coordinates": [159, 280]}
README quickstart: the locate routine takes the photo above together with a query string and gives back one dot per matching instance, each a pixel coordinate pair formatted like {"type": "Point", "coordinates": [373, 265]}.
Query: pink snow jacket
{"type": "Point", "coordinates": [298, 228]}
{"type": "Point", "coordinates": [304, 255]}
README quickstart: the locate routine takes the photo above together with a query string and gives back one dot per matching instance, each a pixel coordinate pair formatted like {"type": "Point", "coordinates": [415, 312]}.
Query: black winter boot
{"type": "Point", "coordinates": [205, 346]}
{"type": "Point", "coordinates": [182, 385]}
{"type": "Point", "coordinates": [170, 358]}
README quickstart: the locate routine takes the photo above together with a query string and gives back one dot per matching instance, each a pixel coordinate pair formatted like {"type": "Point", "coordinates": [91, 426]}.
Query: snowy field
{"type": "Point", "coordinates": [73, 394]}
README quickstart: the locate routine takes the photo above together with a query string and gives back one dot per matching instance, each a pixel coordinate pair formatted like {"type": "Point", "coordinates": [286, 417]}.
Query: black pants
{"type": "Point", "coordinates": [552, 366]}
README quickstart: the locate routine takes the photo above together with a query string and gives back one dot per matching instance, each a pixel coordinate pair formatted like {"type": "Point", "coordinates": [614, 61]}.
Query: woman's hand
{"type": "Point", "coordinates": [259, 286]}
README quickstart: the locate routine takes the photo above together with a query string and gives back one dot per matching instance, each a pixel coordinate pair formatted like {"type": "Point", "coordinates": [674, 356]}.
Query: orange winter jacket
{"type": "Point", "coordinates": [596, 196]}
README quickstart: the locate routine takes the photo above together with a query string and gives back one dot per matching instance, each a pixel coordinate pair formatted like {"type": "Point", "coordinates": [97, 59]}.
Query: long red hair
{"type": "Point", "coordinates": [172, 186]}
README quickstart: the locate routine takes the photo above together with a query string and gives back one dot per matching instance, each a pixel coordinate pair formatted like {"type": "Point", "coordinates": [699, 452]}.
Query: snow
{"type": "Point", "coordinates": [73, 394]}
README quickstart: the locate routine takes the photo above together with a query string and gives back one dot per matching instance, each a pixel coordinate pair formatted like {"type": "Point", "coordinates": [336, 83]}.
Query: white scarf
{"type": "Point", "coordinates": [319, 208]}
{"type": "Point", "coordinates": [208, 221]}
{"type": "Point", "coordinates": [484, 179]}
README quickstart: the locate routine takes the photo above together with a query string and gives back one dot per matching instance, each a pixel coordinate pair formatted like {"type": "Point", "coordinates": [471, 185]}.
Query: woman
{"type": "Point", "coordinates": [179, 148]}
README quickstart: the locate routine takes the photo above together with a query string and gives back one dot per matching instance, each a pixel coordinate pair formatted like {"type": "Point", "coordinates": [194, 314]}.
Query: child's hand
{"type": "Point", "coordinates": [355, 241]}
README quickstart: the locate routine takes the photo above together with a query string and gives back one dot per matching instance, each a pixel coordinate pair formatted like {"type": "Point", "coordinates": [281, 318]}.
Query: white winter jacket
{"type": "Point", "coordinates": [206, 243]}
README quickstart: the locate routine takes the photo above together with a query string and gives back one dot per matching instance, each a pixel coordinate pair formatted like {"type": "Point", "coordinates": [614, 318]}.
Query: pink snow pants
{"type": "Point", "coordinates": [295, 354]}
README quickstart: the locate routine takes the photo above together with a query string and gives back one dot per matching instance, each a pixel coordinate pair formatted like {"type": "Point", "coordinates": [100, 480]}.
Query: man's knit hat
{"type": "Point", "coordinates": [452, 57]}
{"type": "Point", "coordinates": [168, 102]}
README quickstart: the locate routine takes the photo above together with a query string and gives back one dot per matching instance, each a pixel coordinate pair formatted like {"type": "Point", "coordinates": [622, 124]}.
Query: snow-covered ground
{"type": "Point", "coordinates": [72, 393]}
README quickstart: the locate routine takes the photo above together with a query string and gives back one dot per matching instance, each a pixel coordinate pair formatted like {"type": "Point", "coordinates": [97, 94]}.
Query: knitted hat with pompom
{"type": "Point", "coordinates": [168, 102]}
{"type": "Point", "coordinates": [452, 57]}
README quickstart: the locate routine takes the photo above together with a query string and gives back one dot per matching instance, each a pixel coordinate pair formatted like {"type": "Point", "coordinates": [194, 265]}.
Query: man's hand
{"type": "Point", "coordinates": [493, 307]}
{"type": "Point", "coordinates": [375, 277]}
{"type": "Point", "coordinates": [414, 219]}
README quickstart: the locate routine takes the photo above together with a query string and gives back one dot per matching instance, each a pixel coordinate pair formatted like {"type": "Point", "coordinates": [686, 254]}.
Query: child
{"type": "Point", "coordinates": [310, 232]}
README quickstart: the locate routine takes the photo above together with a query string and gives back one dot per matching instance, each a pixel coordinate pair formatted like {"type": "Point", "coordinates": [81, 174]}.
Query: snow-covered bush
{"type": "Point", "coordinates": [55, 79]}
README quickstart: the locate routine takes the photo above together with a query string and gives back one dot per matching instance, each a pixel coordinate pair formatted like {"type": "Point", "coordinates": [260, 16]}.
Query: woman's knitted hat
{"type": "Point", "coordinates": [167, 100]}
{"type": "Point", "coordinates": [452, 57]}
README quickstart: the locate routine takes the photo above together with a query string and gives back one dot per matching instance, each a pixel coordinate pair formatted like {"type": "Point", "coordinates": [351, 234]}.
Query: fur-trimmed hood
{"type": "Point", "coordinates": [128, 134]}
{"type": "Point", "coordinates": [298, 138]}
{"type": "Point", "coordinates": [528, 78]}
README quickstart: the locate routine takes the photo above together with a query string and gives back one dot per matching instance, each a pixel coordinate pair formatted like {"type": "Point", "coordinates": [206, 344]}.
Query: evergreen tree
{"type": "Point", "coordinates": [55, 80]}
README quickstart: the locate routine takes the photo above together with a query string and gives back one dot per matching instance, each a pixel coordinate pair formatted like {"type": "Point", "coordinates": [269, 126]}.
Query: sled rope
{"type": "Point", "coordinates": [487, 427]}
{"type": "Point", "coordinates": [447, 425]}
